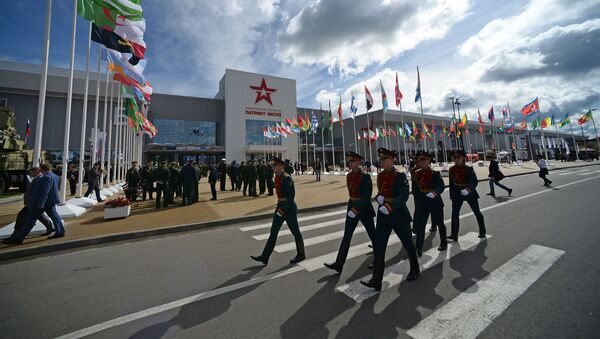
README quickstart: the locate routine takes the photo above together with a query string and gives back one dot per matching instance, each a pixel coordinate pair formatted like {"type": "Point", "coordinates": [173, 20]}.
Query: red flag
{"type": "Point", "coordinates": [531, 108]}
{"type": "Point", "coordinates": [340, 112]}
{"type": "Point", "coordinates": [398, 93]}
{"type": "Point", "coordinates": [368, 98]}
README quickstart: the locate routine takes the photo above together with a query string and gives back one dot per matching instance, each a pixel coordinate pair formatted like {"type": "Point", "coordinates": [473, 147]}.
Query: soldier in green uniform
{"type": "Point", "coordinates": [392, 194]}
{"type": "Point", "coordinates": [195, 191]}
{"type": "Point", "coordinates": [240, 178]}
{"type": "Point", "coordinates": [147, 175]}
{"type": "Point", "coordinates": [251, 178]}
{"type": "Point", "coordinates": [162, 176]}
{"type": "Point", "coordinates": [463, 183]}
{"type": "Point", "coordinates": [260, 171]}
{"type": "Point", "coordinates": [412, 170]}
{"type": "Point", "coordinates": [287, 211]}
{"type": "Point", "coordinates": [269, 178]}
{"type": "Point", "coordinates": [427, 189]}
{"type": "Point", "coordinates": [173, 181]}
{"type": "Point", "coordinates": [133, 180]}
{"type": "Point", "coordinates": [360, 189]}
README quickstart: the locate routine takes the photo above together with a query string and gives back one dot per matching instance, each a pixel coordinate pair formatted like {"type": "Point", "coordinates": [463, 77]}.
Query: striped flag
{"type": "Point", "coordinates": [491, 113]}
{"type": "Point", "coordinates": [383, 97]}
{"type": "Point", "coordinates": [564, 121]}
{"type": "Point", "coordinates": [340, 112]}
{"type": "Point", "coordinates": [530, 108]}
{"type": "Point", "coordinates": [397, 91]}
{"type": "Point", "coordinates": [28, 129]}
{"type": "Point", "coordinates": [353, 108]}
{"type": "Point", "coordinates": [368, 98]}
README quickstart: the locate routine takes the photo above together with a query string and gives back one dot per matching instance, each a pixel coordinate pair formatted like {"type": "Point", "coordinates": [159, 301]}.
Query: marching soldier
{"type": "Point", "coordinates": [287, 211]}
{"type": "Point", "coordinates": [463, 182]}
{"type": "Point", "coordinates": [162, 176]}
{"type": "Point", "coordinates": [174, 180]}
{"type": "Point", "coordinates": [213, 177]}
{"type": "Point", "coordinates": [360, 188]}
{"type": "Point", "coordinates": [392, 195]}
{"type": "Point", "coordinates": [412, 170]}
{"type": "Point", "coordinates": [427, 189]}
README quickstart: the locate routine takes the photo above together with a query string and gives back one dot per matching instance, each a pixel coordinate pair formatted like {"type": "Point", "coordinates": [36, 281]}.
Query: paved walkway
{"type": "Point", "coordinates": [230, 205]}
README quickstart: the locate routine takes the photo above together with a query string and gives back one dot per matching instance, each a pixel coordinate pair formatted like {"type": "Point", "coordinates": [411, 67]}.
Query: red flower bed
{"type": "Point", "coordinates": [118, 202]}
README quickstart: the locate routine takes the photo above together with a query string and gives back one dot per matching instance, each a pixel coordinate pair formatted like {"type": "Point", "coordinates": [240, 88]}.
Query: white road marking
{"type": "Point", "coordinates": [311, 217]}
{"type": "Point", "coordinates": [341, 221]}
{"type": "Point", "coordinates": [291, 246]}
{"type": "Point", "coordinates": [467, 315]}
{"type": "Point", "coordinates": [565, 173]}
{"type": "Point", "coordinates": [397, 273]}
{"type": "Point", "coordinates": [175, 304]}
{"type": "Point", "coordinates": [204, 295]}
{"type": "Point", "coordinates": [585, 173]}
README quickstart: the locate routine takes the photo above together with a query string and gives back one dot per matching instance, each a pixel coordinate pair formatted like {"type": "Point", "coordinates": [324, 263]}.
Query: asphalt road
{"type": "Point", "coordinates": [534, 277]}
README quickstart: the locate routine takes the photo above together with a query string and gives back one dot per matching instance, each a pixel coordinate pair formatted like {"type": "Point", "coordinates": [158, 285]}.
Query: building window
{"type": "Point", "coordinates": [185, 132]}
{"type": "Point", "coordinates": [254, 133]}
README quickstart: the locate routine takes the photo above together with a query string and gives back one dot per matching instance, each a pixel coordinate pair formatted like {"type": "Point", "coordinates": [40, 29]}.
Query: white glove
{"type": "Point", "coordinates": [430, 195]}
{"type": "Point", "coordinates": [351, 214]}
{"type": "Point", "coordinates": [464, 192]}
{"type": "Point", "coordinates": [384, 210]}
{"type": "Point", "coordinates": [380, 199]}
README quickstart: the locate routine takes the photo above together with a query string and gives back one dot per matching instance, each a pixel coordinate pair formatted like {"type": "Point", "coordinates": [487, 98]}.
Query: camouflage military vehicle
{"type": "Point", "coordinates": [15, 160]}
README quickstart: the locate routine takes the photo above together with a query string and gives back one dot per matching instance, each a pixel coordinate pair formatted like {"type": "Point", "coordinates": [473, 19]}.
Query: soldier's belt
{"type": "Point", "coordinates": [355, 199]}
{"type": "Point", "coordinates": [388, 200]}
{"type": "Point", "coordinates": [281, 199]}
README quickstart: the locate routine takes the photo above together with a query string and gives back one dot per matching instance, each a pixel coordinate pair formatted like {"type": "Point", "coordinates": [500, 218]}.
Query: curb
{"type": "Point", "coordinates": [86, 242]}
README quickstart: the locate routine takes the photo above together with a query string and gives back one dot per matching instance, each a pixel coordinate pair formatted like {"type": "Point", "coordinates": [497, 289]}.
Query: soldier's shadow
{"type": "Point", "coordinates": [402, 312]}
{"type": "Point", "coordinates": [201, 311]}
{"type": "Point", "coordinates": [469, 265]}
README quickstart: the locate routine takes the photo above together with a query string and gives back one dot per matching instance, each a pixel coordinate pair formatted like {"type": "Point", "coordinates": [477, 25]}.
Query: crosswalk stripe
{"type": "Point", "coordinates": [566, 173]}
{"type": "Point", "coordinates": [585, 173]}
{"type": "Point", "coordinates": [304, 228]}
{"type": "Point", "coordinates": [397, 273]}
{"type": "Point", "coordinates": [467, 315]}
{"type": "Point", "coordinates": [291, 246]}
{"type": "Point", "coordinates": [311, 217]}
{"type": "Point", "coordinates": [316, 263]}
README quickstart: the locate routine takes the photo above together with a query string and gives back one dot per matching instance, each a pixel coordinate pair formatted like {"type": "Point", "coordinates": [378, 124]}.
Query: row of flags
{"type": "Point", "coordinates": [119, 25]}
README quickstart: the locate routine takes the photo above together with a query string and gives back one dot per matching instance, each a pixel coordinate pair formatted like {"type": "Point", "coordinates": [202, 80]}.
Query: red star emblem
{"type": "Point", "coordinates": [263, 92]}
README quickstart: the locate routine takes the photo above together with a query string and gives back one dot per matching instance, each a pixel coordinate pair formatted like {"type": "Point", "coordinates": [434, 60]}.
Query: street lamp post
{"type": "Point", "coordinates": [462, 143]}
{"type": "Point", "coordinates": [454, 119]}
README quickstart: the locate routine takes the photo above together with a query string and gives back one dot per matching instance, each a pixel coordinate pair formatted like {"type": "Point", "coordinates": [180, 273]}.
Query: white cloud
{"type": "Point", "coordinates": [350, 35]}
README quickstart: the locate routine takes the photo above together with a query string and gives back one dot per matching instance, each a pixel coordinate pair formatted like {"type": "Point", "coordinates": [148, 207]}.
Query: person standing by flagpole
{"type": "Point", "coordinates": [340, 116]}
{"type": "Point", "coordinates": [420, 100]}
{"type": "Point", "coordinates": [369, 105]}
{"type": "Point", "coordinates": [65, 152]}
{"type": "Point", "coordinates": [354, 109]}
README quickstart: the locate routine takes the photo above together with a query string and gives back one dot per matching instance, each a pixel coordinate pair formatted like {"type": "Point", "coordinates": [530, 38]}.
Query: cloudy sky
{"type": "Point", "coordinates": [484, 52]}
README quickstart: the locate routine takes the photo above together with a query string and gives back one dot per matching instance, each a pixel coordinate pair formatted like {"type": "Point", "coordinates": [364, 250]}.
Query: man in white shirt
{"type": "Point", "coordinates": [543, 165]}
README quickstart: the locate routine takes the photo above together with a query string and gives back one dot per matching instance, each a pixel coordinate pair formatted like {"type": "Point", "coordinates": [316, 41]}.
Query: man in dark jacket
{"type": "Point", "coordinates": [260, 172]}
{"type": "Point", "coordinates": [212, 180]}
{"type": "Point", "coordinates": [359, 208]}
{"type": "Point", "coordinates": [188, 177]}
{"type": "Point", "coordinates": [35, 174]}
{"type": "Point", "coordinates": [494, 176]}
{"type": "Point", "coordinates": [174, 181]}
{"type": "Point", "coordinates": [251, 177]}
{"type": "Point", "coordinates": [233, 175]}
{"type": "Point", "coordinates": [147, 176]}
{"type": "Point", "coordinates": [195, 189]}
{"type": "Point", "coordinates": [222, 174]}
{"type": "Point", "coordinates": [133, 181]}
{"type": "Point", "coordinates": [240, 177]}
{"type": "Point", "coordinates": [463, 184]}
{"type": "Point", "coordinates": [72, 176]}
{"type": "Point", "coordinates": [162, 176]}
{"type": "Point", "coordinates": [94, 181]}
{"type": "Point", "coordinates": [269, 178]}
{"type": "Point", "coordinates": [318, 168]}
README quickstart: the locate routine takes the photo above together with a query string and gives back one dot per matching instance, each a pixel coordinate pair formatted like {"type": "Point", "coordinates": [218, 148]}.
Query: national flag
{"type": "Point", "coordinates": [149, 128]}
{"type": "Point", "coordinates": [535, 123]}
{"type": "Point", "coordinates": [444, 130]}
{"type": "Point", "coordinates": [383, 97]}
{"type": "Point", "coordinates": [118, 63]}
{"type": "Point", "coordinates": [408, 130]}
{"type": "Point", "coordinates": [112, 40]}
{"type": "Point", "coordinates": [426, 130]}
{"type": "Point", "coordinates": [453, 125]}
{"type": "Point", "coordinates": [353, 108]}
{"type": "Point", "coordinates": [510, 129]}
{"type": "Point", "coordinates": [414, 128]}
{"type": "Point", "coordinates": [323, 120]}
{"type": "Point", "coordinates": [130, 9]}
{"type": "Point", "coordinates": [340, 112]}
{"type": "Point", "coordinates": [368, 98]}
{"type": "Point", "coordinates": [523, 125]}
{"type": "Point", "coordinates": [315, 122]}
{"type": "Point", "coordinates": [479, 119]}
{"type": "Point", "coordinates": [565, 120]}
{"type": "Point", "coordinates": [399, 95]}
{"type": "Point", "coordinates": [418, 91]}
{"type": "Point", "coordinates": [463, 121]}
{"type": "Point", "coordinates": [28, 129]}
{"type": "Point", "coordinates": [491, 113]}
{"type": "Point", "coordinates": [585, 118]}
{"type": "Point", "coordinates": [546, 122]}
{"type": "Point", "coordinates": [308, 126]}
{"type": "Point", "coordinates": [400, 131]}
{"type": "Point", "coordinates": [392, 132]}
{"type": "Point", "coordinates": [504, 112]}
{"type": "Point", "coordinates": [481, 129]}
{"type": "Point", "coordinates": [359, 137]}
{"type": "Point", "coordinates": [531, 108]}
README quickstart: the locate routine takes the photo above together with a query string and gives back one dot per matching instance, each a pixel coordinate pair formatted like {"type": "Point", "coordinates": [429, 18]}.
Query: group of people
{"type": "Point", "coordinates": [39, 204]}
{"type": "Point", "coordinates": [392, 212]}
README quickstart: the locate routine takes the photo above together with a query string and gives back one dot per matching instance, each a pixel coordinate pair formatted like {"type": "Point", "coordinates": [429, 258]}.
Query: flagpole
{"type": "Point", "coordinates": [383, 113]}
{"type": "Point", "coordinates": [355, 131]}
{"type": "Point", "coordinates": [65, 152]}
{"type": "Point", "coordinates": [514, 133]}
{"type": "Point", "coordinates": [483, 143]}
{"type": "Point", "coordinates": [39, 125]}
{"type": "Point", "coordinates": [323, 146]}
{"type": "Point", "coordinates": [584, 142]}
{"type": "Point", "coordinates": [595, 131]}
{"type": "Point", "coordinates": [556, 129]}
{"type": "Point", "coordinates": [369, 139]}
{"type": "Point", "coordinates": [314, 149]}
{"type": "Point", "coordinates": [543, 144]}
{"type": "Point", "coordinates": [397, 139]}
{"type": "Point", "coordinates": [343, 167]}
{"type": "Point", "coordinates": [103, 155]}
{"type": "Point", "coordinates": [95, 131]}
{"type": "Point", "coordinates": [119, 148]}
{"type": "Point", "coordinates": [332, 144]}
{"type": "Point", "coordinates": [112, 115]}
{"type": "Point", "coordinates": [404, 133]}
{"type": "Point", "coordinates": [109, 143]}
